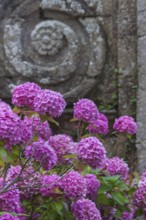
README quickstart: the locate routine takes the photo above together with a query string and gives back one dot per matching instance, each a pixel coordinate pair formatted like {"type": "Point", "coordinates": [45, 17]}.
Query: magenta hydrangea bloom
{"type": "Point", "coordinates": [29, 180]}
{"type": "Point", "coordinates": [48, 101]}
{"type": "Point", "coordinates": [39, 128]}
{"type": "Point", "coordinates": [127, 215]}
{"type": "Point", "coordinates": [117, 166]}
{"type": "Point", "coordinates": [42, 152]}
{"type": "Point", "coordinates": [10, 200]}
{"type": "Point", "coordinates": [73, 185]}
{"type": "Point", "coordinates": [12, 129]}
{"type": "Point", "coordinates": [144, 174]}
{"type": "Point", "coordinates": [125, 124]}
{"type": "Point", "coordinates": [139, 197]}
{"type": "Point", "coordinates": [24, 94]}
{"type": "Point", "coordinates": [93, 185]}
{"type": "Point", "coordinates": [91, 151]}
{"type": "Point", "coordinates": [4, 106]}
{"type": "Point", "coordinates": [85, 110]}
{"type": "Point", "coordinates": [85, 209]}
{"type": "Point", "coordinates": [99, 126]}
{"type": "Point", "coordinates": [63, 145]}
{"type": "Point", "coordinates": [48, 185]}
{"type": "Point", "coordinates": [8, 217]}
{"type": "Point", "coordinates": [25, 131]}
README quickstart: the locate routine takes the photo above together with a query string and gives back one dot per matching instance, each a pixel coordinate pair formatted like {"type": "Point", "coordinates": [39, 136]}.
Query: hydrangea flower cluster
{"type": "Point", "coordinates": [12, 130]}
{"type": "Point", "coordinates": [117, 166]}
{"type": "Point", "coordinates": [92, 186]}
{"type": "Point", "coordinates": [48, 185]}
{"type": "Point", "coordinates": [4, 106]}
{"type": "Point", "coordinates": [99, 126]}
{"type": "Point", "coordinates": [8, 217]}
{"type": "Point", "coordinates": [10, 200]}
{"type": "Point", "coordinates": [125, 124]}
{"type": "Point", "coordinates": [85, 209]}
{"type": "Point", "coordinates": [39, 128]}
{"type": "Point", "coordinates": [127, 215]}
{"type": "Point", "coordinates": [48, 101]}
{"type": "Point", "coordinates": [139, 197]}
{"type": "Point", "coordinates": [24, 94]}
{"type": "Point", "coordinates": [43, 153]}
{"type": "Point", "coordinates": [55, 169]}
{"type": "Point", "coordinates": [27, 182]}
{"type": "Point", "coordinates": [42, 101]}
{"type": "Point", "coordinates": [91, 151]}
{"type": "Point", "coordinates": [73, 185]}
{"type": "Point", "coordinates": [85, 110]}
{"type": "Point", "coordinates": [63, 145]}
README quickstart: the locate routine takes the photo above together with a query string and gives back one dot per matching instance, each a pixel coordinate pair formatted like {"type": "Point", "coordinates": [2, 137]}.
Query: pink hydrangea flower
{"type": "Point", "coordinates": [24, 94]}
{"type": "Point", "coordinates": [8, 217]}
{"type": "Point", "coordinates": [85, 209]}
{"type": "Point", "coordinates": [73, 185]}
{"type": "Point", "coordinates": [91, 151]}
{"type": "Point", "coordinates": [93, 185]}
{"type": "Point", "coordinates": [127, 215]}
{"type": "Point", "coordinates": [85, 110]}
{"type": "Point", "coordinates": [63, 145]}
{"type": "Point", "coordinates": [42, 152]}
{"type": "Point", "coordinates": [48, 185]}
{"type": "Point", "coordinates": [28, 180]}
{"type": "Point", "coordinates": [125, 124]}
{"type": "Point", "coordinates": [4, 106]}
{"type": "Point", "coordinates": [12, 129]}
{"type": "Point", "coordinates": [10, 200]}
{"type": "Point", "coordinates": [48, 101]}
{"type": "Point", "coordinates": [117, 166]}
{"type": "Point", "coordinates": [139, 197]}
{"type": "Point", "coordinates": [99, 126]}
{"type": "Point", "coordinates": [39, 128]}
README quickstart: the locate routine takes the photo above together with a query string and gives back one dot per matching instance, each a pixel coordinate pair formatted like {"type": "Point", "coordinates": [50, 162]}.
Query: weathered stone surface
{"type": "Point", "coordinates": [68, 46]}
{"type": "Point", "coordinates": [141, 105]}
{"type": "Point", "coordinates": [141, 98]}
{"type": "Point", "coordinates": [141, 23]}
{"type": "Point", "coordinates": [141, 5]}
{"type": "Point", "coordinates": [127, 56]}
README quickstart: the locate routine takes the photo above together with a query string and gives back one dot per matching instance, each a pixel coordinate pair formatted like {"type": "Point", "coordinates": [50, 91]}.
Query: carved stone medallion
{"type": "Point", "coordinates": [49, 44]}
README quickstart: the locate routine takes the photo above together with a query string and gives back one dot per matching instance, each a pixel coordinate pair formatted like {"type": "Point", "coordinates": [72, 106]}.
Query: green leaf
{"type": "Point", "coordinates": [86, 135]}
{"type": "Point", "coordinates": [129, 136]}
{"type": "Point", "coordinates": [58, 208]}
{"type": "Point", "coordinates": [118, 214]}
{"type": "Point", "coordinates": [119, 198]}
{"type": "Point", "coordinates": [50, 119]}
{"type": "Point", "coordinates": [104, 188]}
{"type": "Point", "coordinates": [16, 110]}
{"type": "Point", "coordinates": [35, 138]}
{"type": "Point", "coordinates": [47, 117]}
{"type": "Point", "coordinates": [74, 120]}
{"type": "Point", "coordinates": [3, 154]}
{"type": "Point", "coordinates": [70, 156]}
{"type": "Point", "coordinates": [102, 199]}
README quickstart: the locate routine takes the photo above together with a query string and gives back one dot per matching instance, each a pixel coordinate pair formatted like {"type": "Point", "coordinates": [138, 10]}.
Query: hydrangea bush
{"type": "Point", "coordinates": [49, 176]}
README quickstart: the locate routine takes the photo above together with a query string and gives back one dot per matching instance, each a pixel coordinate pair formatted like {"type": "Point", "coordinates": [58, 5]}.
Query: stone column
{"type": "Point", "coordinates": [127, 56]}
{"type": "Point", "coordinates": [141, 98]}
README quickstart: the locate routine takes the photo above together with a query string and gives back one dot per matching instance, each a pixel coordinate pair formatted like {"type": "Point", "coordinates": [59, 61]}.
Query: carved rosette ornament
{"type": "Point", "coordinates": [55, 43]}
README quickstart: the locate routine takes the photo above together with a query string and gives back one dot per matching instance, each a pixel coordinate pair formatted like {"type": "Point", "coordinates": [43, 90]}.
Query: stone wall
{"type": "Point", "coordinates": [82, 48]}
{"type": "Point", "coordinates": [68, 46]}
{"type": "Point", "coordinates": [141, 99]}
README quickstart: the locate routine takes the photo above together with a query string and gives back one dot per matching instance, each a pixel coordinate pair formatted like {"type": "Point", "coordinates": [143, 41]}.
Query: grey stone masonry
{"type": "Point", "coordinates": [141, 98]}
